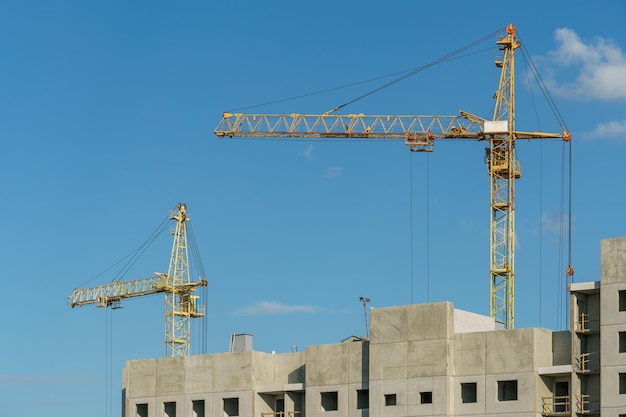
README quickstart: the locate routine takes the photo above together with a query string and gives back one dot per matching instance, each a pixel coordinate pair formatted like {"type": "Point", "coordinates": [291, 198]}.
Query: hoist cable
{"type": "Point", "coordinates": [561, 234]}
{"type": "Point", "coordinates": [540, 232]}
{"type": "Point", "coordinates": [197, 262]}
{"type": "Point", "coordinates": [415, 71]}
{"type": "Point", "coordinates": [538, 121]}
{"type": "Point", "coordinates": [411, 220]}
{"type": "Point", "coordinates": [137, 253]}
{"type": "Point", "coordinates": [428, 228]}
{"type": "Point", "coordinates": [542, 86]}
{"type": "Point", "coordinates": [132, 257]}
{"type": "Point", "coordinates": [405, 74]}
{"type": "Point", "coordinates": [569, 272]}
{"type": "Point", "coordinates": [195, 252]}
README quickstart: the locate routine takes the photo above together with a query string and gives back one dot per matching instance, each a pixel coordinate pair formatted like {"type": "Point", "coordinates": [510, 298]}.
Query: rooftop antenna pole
{"type": "Point", "coordinates": [365, 301]}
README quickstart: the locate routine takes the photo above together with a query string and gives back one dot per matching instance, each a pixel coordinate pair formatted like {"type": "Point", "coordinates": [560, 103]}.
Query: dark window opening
{"type": "Point", "coordinates": [279, 407]}
{"type": "Point", "coordinates": [622, 300]}
{"type": "Point", "coordinates": [169, 409]}
{"type": "Point", "coordinates": [362, 399]}
{"type": "Point", "coordinates": [330, 401]}
{"type": "Point", "coordinates": [390, 399]}
{"type": "Point", "coordinates": [622, 383]}
{"type": "Point", "coordinates": [142, 410]}
{"type": "Point", "coordinates": [507, 390]}
{"type": "Point", "coordinates": [561, 394]}
{"type": "Point", "coordinates": [231, 407]}
{"type": "Point", "coordinates": [426, 397]}
{"type": "Point", "coordinates": [622, 342]}
{"type": "Point", "coordinates": [468, 392]}
{"type": "Point", "coordinates": [197, 408]}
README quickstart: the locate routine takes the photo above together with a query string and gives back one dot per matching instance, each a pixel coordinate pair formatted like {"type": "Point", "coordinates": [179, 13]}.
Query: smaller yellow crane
{"type": "Point", "coordinates": [180, 305]}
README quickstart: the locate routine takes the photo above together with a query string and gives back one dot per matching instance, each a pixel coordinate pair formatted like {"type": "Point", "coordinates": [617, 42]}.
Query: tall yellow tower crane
{"type": "Point", "coordinates": [180, 305]}
{"type": "Point", "coordinates": [420, 133]}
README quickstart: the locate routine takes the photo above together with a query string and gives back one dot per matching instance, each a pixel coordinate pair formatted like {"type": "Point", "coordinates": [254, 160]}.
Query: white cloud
{"type": "Point", "coordinates": [273, 308]}
{"type": "Point", "coordinates": [308, 152]}
{"type": "Point", "coordinates": [555, 222]}
{"type": "Point", "coordinates": [614, 131]}
{"type": "Point", "coordinates": [333, 172]}
{"type": "Point", "coordinates": [600, 66]}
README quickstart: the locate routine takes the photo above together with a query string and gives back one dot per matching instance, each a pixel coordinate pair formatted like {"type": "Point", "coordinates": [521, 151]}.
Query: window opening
{"type": "Point", "coordinates": [169, 409]}
{"type": "Point", "coordinates": [231, 407]}
{"type": "Point", "coordinates": [561, 394]}
{"type": "Point", "coordinates": [142, 410]}
{"type": "Point", "coordinates": [622, 342]}
{"type": "Point", "coordinates": [391, 400]}
{"type": "Point", "coordinates": [426, 397]}
{"type": "Point", "coordinates": [468, 392]}
{"type": "Point", "coordinates": [197, 408]}
{"type": "Point", "coordinates": [279, 407]}
{"type": "Point", "coordinates": [362, 399]}
{"type": "Point", "coordinates": [507, 390]}
{"type": "Point", "coordinates": [330, 401]}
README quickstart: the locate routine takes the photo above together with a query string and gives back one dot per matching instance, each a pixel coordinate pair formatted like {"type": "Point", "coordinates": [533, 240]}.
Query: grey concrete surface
{"type": "Point", "coordinates": [420, 360]}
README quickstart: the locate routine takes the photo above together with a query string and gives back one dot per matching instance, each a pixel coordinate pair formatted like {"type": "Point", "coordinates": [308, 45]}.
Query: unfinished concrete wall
{"type": "Point", "coordinates": [419, 362]}
{"type": "Point", "coordinates": [411, 359]}
{"type": "Point", "coordinates": [490, 360]}
{"type": "Point", "coordinates": [277, 369]}
{"type": "Point", "coordinates": [466, 322]}
{"type": "Point", "coordinates": [612, 323]}
{"type": "Point", "coordinates": [561, 348]}
{"type": "Point", "coordinates": [210, 380]}
{"type": "Point", "coordinates": [278, 377]}
{"type": "Point", "coordinates": [470, 355]}
{"type": "Point", "coordinates": [336, 370]}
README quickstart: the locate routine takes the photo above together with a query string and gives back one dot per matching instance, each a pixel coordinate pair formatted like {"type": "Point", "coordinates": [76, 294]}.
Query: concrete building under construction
{"type": "Point", "coordinates": [420, 360]}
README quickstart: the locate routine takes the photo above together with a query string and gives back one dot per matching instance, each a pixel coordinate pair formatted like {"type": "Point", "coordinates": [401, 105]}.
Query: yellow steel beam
{"type": "Point", "coordinates": [105, 295]}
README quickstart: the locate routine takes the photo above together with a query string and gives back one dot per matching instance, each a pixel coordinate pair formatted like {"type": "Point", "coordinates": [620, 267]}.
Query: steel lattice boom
{"type": "Point", "coordinates": [114, 292]}
{"type": "Point", "coordinates": [420, 134]}
{"type": "Point", "coordinates": [180, 304]}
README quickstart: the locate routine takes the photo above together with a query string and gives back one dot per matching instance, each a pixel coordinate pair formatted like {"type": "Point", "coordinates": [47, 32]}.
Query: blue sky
{"type": "Point", "coordinates": [107, 117]}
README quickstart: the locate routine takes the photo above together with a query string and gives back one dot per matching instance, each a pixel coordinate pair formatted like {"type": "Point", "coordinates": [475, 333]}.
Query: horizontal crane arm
{"type": "Point", "coordinates": [419, 132]}
{"type": "Point", "coordinates": [357, 126]}
{"type": "Point", "coordinates": [105, 295]}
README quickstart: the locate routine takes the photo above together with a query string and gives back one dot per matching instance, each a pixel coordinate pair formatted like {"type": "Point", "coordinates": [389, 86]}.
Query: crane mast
{"type": "Point", "coordinates": [180, 303]}
{"type": "Point", "coordinates": [504, 169]}
{"type": "Point", "coordinates": [420, 134]}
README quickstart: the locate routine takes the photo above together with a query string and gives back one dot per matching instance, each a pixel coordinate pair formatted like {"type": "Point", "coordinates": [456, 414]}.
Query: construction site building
{"type": "Point", "coordinates": [419, 360]}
